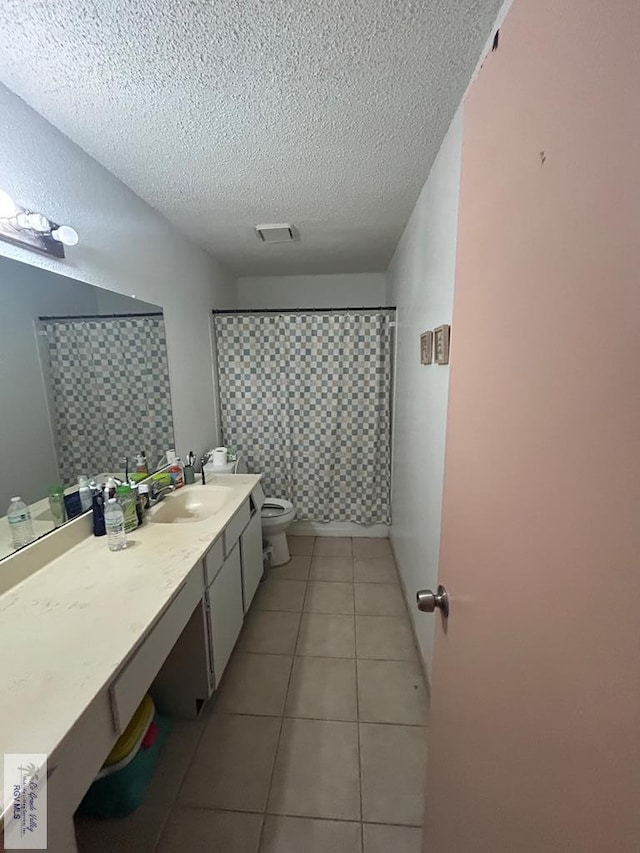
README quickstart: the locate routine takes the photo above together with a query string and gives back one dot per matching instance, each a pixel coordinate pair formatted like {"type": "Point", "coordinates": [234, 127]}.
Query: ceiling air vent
{"type": "Point", "coordinates": [278, 232]}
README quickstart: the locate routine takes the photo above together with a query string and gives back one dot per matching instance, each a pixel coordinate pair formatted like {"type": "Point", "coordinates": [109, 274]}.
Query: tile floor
{"type": "Point", "coordinates": [315, 741]}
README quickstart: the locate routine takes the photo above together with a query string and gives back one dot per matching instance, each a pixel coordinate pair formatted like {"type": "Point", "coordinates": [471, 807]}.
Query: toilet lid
{"type": "Point", "coordinates": [272, 509]}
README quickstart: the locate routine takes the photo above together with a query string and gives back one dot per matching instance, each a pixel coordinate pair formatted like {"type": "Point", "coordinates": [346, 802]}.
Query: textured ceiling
{"type": "Point", "coordinates": [221, 114]}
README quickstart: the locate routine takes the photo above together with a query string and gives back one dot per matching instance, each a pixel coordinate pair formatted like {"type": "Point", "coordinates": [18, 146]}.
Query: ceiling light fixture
{"type": "Point", "coordinates": [32, 229]}
{"type": "Point", "coordinates": [65, 234]}
{"type": "Point", "coordinates": [8, 207]}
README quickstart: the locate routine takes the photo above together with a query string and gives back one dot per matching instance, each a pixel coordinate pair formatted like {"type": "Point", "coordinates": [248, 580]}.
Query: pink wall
{"type": "Point", "coordinates": [536, 688]}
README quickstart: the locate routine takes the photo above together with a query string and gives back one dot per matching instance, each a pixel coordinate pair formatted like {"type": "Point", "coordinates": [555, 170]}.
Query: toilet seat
{"type": "Point", "coordinates": [275, 508]}
{"type": "Point", "coordinates": [277, 515]}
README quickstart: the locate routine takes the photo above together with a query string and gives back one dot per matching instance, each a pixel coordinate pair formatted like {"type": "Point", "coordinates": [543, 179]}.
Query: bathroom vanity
{"type": "Point", "coordinates": [88, 634]}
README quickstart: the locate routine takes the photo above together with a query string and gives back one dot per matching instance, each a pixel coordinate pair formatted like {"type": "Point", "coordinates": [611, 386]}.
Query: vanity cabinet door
{"type": "Point", "coordinates": [251, 554]}
{"type": "Point", "coordinates": [225, 611]}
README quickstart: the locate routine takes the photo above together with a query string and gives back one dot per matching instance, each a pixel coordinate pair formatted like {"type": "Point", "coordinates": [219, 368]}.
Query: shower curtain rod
{"type": "Point", "coordinates": [102, 316]}
{"type": "Point", "coordinates": [301, 310]}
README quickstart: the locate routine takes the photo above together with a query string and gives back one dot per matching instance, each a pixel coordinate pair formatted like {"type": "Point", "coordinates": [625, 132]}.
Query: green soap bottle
{"type": "Point", "coordinates": [127, 501]}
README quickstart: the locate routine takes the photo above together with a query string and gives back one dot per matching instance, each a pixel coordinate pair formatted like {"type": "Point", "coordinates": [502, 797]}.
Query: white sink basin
{"type": "Point", "coordinates": [192, 506]}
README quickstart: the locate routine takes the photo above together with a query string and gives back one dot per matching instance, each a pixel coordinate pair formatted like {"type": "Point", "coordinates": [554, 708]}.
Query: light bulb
{"type": "Point", "coordinates": [8, 207]}
{"type": "Point", "coordinates": [65, 234]}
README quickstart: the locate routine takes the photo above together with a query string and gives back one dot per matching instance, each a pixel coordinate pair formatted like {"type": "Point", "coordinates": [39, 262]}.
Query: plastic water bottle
{"type": "Point", "coordinates": [85, 493]}
{"type": "Point", "coordinates": [20, 524]}
{"type": "Point", "coordinates": [114, 522]}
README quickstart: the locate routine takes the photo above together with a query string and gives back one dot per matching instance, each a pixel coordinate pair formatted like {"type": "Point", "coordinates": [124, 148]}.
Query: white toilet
{"type": "Point", "coordinates": [277, 515]}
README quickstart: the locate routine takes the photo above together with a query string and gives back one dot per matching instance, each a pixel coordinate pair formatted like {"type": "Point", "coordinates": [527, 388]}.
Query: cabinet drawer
{"type": "Point", "coordinates": [235, 527]}
{"type": "Point", "coordinates": [213, 560]}
{"type": "Point", "coordinates": [132, 683]}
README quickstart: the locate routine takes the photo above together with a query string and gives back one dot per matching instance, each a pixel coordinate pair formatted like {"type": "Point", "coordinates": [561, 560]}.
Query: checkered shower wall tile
{"type": "Point", "coordinates": [109, 383]}
{"type": "Point", "coordinates": [307, 398]}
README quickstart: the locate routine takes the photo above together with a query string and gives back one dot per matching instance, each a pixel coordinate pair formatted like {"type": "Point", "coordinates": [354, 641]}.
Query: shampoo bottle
{"type": "Point", "coordinates": [175, 469]}
{"type": "Point", "coordinates": [142, 466]}
{"type": "Point", "coordinates": [99, 528]}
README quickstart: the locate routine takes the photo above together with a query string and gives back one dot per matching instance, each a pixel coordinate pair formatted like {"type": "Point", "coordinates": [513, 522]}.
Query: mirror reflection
{"type": "Point", "coordinates": [84, 395]}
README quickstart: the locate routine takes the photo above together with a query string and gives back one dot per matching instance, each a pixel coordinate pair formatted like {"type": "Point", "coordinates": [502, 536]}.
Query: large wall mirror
{"type": "Point", "coordinates": [84, 385]}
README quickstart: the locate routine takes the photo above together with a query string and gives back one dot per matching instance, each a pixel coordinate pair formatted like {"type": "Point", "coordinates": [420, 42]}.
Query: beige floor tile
{"type": "Point", "coordinates": [393, 773]}
{"type": "Point", "coordinates": [326, 635]}
{"type": "Point", "coordinates": [384, 638]}
{"type": "Point", "coordinates": [380, 599]}
{"type": "Point", "coordinates": [379, 838]}
{"type": "Point", "coordinates": [297, 569]}
{"type": "Point", "coordinates": [369, 547]}
{"type": "Point", "coordinates": [332, 569]}
{"type": "Point", "coordinates": [370, 570]}
{"type": "Point", "coordinates": [137, 833]}
{"type": "Point", "coordinates": [254, 684]}
{"type": "Point", "coordinates": [269, 632]}
{"type": "Point", "coordinates": [392, 692]}
{"type": "Point", "coordinates": [174, 761]}
{"type": "Point", "coordinates": [317, 770]}
{"type": "Point", "coordinates": [328, 597]}
{"type": "Point", "coordinates": [306, 835]}
{"type": "Point", "coordinates": [280, 595]}
{"type": "Point", "coordinates": [232, 766]}
{"type": "Point", "coordinates": [301, 544]}
{"type": "Point", "coordinates": [332, 546]}
{"type": "Point", "coordinates": [207, 831]}
{"type": "Point", "coordinates": [323, 688]}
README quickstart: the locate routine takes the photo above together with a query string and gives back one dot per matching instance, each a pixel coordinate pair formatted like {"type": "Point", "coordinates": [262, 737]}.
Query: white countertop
{"type": "Point", "coordinates": [41, 516]}
{"type": "Point", "coordinates": [66, 630]}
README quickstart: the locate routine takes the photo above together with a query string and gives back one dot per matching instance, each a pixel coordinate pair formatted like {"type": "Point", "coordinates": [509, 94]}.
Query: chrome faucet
{"type": "Point", "coordinates": [159, 493]}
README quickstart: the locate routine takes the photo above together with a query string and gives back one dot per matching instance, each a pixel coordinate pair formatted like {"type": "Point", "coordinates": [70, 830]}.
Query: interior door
{"type": "Point", "coordinates": [534, 742]}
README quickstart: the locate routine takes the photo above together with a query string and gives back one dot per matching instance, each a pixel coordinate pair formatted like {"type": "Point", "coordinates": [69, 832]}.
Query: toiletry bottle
{"type": "Point", "coordinates": [142, 466]}
{"type": "Point", "coordinates": [127, 503]}
{"type": "Point", "coordinates": [56, 505]}
{"type": "Point", "coordinates": [139, 506]}
{"type": "Point", "coordinates": [175, 469]}
{"type": "Point", "coordinates": [20, 524]}
{"type": "Point", "coordinates": [143, 492]}
{"type": "Point", "coordinates": [99, 528]}
{"type": "Point", "coordinates": [85, 493]}
{"type": "Point", "coordinates": [114, 522]}
{"type": "Point", "coordinates": [111, 488]}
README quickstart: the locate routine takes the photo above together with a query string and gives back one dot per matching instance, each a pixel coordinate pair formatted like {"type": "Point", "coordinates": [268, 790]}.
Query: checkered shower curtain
{"type": "Point", "coordinates": [306, 397]}
{"type": "Point", "coordinates": [109, 392]}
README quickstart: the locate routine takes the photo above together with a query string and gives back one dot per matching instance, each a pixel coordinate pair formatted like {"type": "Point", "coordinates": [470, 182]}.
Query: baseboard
{"type": "Point", "coordinates": [338, 528]}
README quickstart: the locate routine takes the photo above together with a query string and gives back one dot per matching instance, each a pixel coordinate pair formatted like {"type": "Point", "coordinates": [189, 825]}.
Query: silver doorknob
{"type": "Point", "coordinates": [428, 601]}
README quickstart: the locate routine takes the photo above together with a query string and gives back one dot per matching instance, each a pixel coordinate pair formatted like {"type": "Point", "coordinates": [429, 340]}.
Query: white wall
{"type": "Point", "coordinates": [420, 282]}
{"type": "Point", "coordinates": [350, 290]}
{"type": "Point", "coordinates": [125, 246]}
